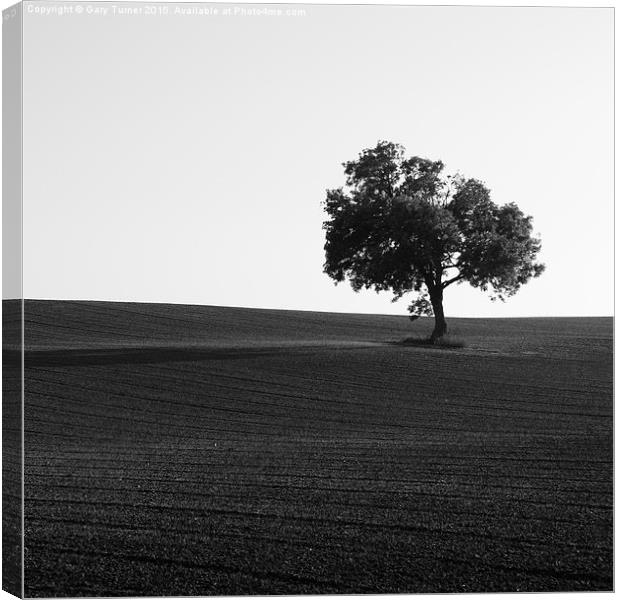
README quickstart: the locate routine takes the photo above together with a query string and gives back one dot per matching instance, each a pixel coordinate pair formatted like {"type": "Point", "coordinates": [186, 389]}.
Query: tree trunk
{"type": "Point", "coordinates": [441, 327]}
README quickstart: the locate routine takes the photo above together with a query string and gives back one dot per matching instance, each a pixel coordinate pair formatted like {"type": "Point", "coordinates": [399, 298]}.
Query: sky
{"type": "Point", "coordinates": [184, 157]}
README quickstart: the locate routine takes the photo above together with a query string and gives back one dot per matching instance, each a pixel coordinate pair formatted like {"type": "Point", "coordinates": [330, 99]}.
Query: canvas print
{"type": "Point", "coordinates": [306, 299]}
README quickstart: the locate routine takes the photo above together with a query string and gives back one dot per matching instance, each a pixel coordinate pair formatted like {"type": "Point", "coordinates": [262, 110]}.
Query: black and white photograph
{"type": "Point", "coordinates": [307, 299]}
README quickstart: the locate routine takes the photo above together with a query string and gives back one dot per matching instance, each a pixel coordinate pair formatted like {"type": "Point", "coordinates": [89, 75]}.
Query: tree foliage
{"type": "Point", "coordinates": [401, 225]}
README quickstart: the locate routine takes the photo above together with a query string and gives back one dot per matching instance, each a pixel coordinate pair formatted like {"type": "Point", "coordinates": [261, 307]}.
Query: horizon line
{"type": "Point", "coordinates": [337, 312]}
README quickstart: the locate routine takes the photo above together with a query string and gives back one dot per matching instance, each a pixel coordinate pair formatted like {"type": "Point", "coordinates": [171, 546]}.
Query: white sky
{"type": "Point", "coordinates": [185, 158]}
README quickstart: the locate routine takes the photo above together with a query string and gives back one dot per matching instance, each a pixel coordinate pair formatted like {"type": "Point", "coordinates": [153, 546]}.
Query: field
{"type": "Point", "coordinates": [177, 450]}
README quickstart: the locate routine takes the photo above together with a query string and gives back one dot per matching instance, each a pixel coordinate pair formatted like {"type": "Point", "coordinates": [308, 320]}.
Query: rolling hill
{"type": "Point", "coordinates": [178, 450]}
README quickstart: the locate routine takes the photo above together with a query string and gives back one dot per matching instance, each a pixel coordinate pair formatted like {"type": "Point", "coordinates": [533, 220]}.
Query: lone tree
{"type": "Point", "coordinates": [400, 224]}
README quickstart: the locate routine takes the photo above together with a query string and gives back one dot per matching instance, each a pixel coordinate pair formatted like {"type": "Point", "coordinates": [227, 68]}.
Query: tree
{"type": "Point", "coordinates": [400, 224]}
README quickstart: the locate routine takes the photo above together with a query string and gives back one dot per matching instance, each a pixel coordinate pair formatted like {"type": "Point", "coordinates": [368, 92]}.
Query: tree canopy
{"type": "Point", "coordinates": [401, 225]}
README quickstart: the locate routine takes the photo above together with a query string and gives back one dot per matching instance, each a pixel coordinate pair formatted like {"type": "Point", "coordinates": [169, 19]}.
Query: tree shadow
{"type": "Point", "coordinates": [443, 343]}
{"type": "Point", "coordinates": [73, 357]}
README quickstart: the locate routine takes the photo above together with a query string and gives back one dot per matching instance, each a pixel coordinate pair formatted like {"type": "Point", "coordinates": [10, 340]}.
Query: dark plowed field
{"type": "Point", "coordinates": [177, 450]}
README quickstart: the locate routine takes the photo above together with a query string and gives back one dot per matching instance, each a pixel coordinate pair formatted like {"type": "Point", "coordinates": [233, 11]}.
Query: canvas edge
{"type": "Point", "coordinates": [12, 305]}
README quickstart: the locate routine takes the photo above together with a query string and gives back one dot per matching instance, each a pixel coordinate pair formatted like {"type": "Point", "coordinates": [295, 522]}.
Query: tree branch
{"type": "Point", "coordinates": [445, 284]}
